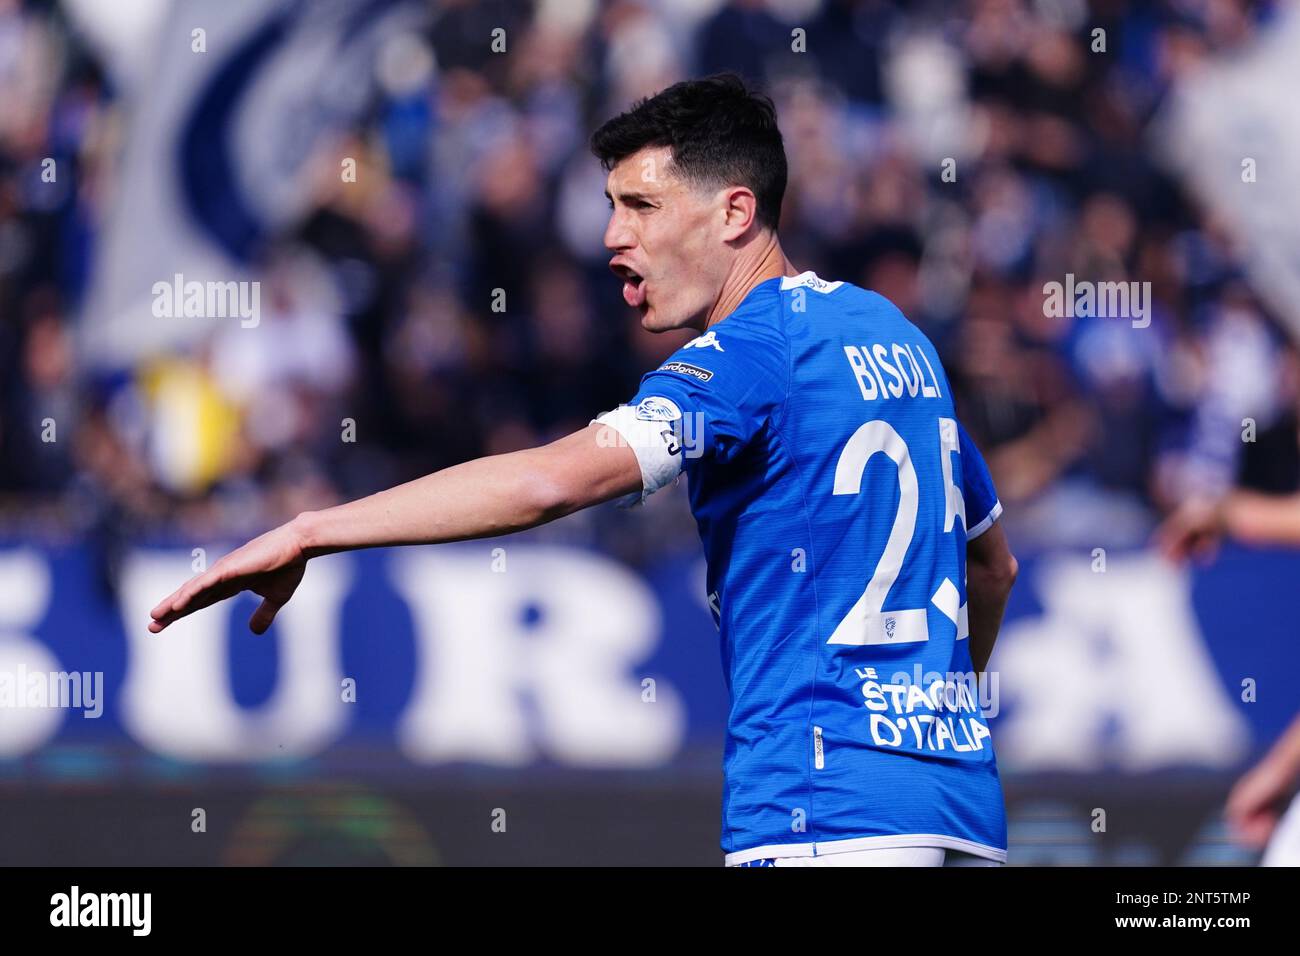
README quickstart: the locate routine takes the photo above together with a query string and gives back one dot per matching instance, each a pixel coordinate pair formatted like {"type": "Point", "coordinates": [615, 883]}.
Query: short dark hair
{"type": "Point", "coordinates": [721, 133]}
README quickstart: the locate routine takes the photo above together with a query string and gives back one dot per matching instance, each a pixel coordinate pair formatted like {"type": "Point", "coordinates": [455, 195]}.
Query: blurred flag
{"type": "Point", "coordinates": [1232, 132]}
{"type": "Point", "coordinates": [234, 101]}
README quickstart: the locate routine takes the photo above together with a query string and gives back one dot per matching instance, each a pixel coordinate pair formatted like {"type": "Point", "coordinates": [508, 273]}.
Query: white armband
{"type": "Point", "coordinates": [651, 430]}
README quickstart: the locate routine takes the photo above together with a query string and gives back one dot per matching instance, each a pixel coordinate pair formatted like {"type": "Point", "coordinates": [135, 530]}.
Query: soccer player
{"type": "Point", "coordinates": [856, 571]}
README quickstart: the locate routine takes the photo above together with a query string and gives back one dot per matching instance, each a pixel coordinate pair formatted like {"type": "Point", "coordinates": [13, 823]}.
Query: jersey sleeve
{"type": "Point", "coordinates": [981, 499]}
{"type": "Point", "coordinates": [707, 402]}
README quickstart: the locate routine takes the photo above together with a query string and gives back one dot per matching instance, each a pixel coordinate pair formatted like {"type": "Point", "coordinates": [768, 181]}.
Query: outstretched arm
{"type": "Point", "coordinates": [1195, 527]}
{"type": "Point", "coordinates": [478, 499]}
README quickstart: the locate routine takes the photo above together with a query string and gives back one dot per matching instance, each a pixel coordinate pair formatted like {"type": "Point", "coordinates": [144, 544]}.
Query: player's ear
{"type": "Point", "coordinates": [740, 209]}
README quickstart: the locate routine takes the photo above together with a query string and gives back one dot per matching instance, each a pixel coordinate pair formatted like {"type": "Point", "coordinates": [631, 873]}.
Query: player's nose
{"type": "Point", "coordinates": [618, 235]}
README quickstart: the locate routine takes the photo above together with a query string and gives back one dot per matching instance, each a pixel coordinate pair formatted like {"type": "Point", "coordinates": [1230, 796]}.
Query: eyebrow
{"type": "Point", "coordinates": [629, 195]}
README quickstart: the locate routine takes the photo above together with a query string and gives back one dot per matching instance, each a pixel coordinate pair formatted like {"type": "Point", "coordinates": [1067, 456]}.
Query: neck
{"type": "Point", "coordinates": [749, 271]}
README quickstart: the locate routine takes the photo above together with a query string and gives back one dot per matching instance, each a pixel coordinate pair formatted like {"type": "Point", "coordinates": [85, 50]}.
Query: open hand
{"type": "Point", "coordinates": [270, 566]}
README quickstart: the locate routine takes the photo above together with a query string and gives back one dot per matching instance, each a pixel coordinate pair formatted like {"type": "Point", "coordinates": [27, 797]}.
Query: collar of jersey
{"type": "Point", "coordinates": [783, 284]}
{"type": "Point", "coordinates": [810, 279]}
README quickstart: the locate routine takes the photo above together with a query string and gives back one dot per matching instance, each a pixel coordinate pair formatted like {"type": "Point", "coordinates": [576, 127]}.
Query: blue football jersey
{"type": "Point", "coordinates": [835, 492]}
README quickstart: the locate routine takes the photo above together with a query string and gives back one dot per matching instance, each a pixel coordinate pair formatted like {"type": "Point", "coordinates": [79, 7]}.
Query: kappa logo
{"type": "Point", "coordinates": [655, 409]}
{"type": "Point", "coordinates": [707, 340]}
{"type": "Point", "coordinates": [683, 368]}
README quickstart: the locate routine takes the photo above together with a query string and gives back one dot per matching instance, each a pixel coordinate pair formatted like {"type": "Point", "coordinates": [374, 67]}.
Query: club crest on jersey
{"type": "Point", "coordinates": [707, 340]}
{"type": "Point", "coordinates": [656, 409]}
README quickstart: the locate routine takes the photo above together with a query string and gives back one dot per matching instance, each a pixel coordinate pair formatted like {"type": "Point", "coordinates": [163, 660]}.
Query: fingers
{"type": "Point", "coordinates": [256, 566]}
{"type": "Point", "coordinates": [1169, 536]}
{"type": "Point", "coordinates": [165, 615]}
{"type": "Point", "coordinates": [1255, 829]}
{"type": "Point", "coordinates": [181, 597]}
{"type": "Point", "coordinates": [207, 589]}
{"type": "Point", "coordinates": [164, 606]}
{"type": "Point", "coordinates": [1182, 538]}
{"type": "Point", "coordinates": [1243, 802]}
{"type": "Point", "coordinates": [1208, 550]}
{"type": "Point", "coordinates": [263, 616]}
{"type": "Point", "coordinates": [1173, 542]}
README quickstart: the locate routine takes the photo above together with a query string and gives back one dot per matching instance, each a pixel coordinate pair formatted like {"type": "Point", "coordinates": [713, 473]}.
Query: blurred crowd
{"type": "Point", "coordinates": [455, 301]}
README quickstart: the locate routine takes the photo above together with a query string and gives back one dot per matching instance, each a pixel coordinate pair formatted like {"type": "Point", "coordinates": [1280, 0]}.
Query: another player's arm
{"type": "Point", "coordinates": [991, 570]}
{"type": "Point", "coordinates": [478, 499]}
{"type": "Point", "coordinates": [1258, 798]}
{"type": "Point", "coordinates": [1194, 528]}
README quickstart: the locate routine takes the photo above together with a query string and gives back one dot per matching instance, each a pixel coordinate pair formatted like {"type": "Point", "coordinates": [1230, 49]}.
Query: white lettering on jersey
{"type": "Point", "coordinates": [905, 373]}
{"type": "Point", "coordinates": [867, 622]}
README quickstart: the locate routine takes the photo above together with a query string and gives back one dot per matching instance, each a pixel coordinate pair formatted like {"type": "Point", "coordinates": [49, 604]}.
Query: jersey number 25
{"type": "Point", "coordinates": [867, 622]}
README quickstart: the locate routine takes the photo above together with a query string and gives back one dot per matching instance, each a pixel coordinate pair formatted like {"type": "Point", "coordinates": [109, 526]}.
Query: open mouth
{"type": "Point", "coordinates": [634, 291]}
